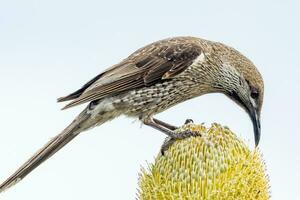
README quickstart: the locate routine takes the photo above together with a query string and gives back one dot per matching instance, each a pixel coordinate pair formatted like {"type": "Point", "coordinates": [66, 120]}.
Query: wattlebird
{"type": "Point", "coordinates": [153, 79]}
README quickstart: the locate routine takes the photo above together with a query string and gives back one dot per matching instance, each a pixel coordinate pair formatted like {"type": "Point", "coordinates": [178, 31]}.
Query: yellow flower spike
{"type": "Point", "coordinates": [214, 166]}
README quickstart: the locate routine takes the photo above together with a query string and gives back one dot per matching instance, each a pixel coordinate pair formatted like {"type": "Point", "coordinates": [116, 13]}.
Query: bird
{"type": "Point", "coordinates": [151, 80]}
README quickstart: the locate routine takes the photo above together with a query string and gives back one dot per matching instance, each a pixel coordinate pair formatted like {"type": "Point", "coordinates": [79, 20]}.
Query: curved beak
{"type": "Point", "coordinates": [252, 111]}
{"type": "Point", "coordinates": [256, 125]}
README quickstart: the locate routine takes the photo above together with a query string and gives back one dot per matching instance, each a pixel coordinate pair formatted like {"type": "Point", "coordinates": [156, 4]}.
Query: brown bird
{"type": "Point", "coordinates": [153, 79]}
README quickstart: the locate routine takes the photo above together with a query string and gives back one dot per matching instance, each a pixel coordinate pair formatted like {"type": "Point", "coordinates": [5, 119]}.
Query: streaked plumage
{"type": "Point", "coordinates": [153, 79]}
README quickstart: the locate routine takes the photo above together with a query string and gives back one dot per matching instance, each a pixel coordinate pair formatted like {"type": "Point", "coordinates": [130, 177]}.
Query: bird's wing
{"type": "Point", "coordinates": [147, 66]}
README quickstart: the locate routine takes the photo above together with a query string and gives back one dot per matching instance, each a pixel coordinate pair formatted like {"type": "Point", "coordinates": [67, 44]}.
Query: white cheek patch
{"type": "Point", "coordinates": [253, 102]}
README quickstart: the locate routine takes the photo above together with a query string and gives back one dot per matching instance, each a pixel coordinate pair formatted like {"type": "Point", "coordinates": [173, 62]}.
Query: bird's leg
{"type": "Point", "coordinates": [169, 126]}
{"type": "Point", "coordinates": [168, 129]}
{"type": "Point", "coordinates": [161, 126]}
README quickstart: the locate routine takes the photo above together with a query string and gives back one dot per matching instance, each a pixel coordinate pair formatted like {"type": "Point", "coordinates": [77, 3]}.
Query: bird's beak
{"type": "Point", "coordinates": [256, 125]}
{"type": "Point", "coordinates": [250, 108]}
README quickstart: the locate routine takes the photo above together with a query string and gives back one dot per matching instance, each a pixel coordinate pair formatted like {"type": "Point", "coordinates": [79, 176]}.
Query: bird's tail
{"type": "Point", "coordinates": [47, 151]}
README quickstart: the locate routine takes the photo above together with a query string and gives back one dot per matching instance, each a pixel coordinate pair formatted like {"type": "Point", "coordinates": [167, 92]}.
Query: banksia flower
{"type": "Point", "coordinates": [215, 165]}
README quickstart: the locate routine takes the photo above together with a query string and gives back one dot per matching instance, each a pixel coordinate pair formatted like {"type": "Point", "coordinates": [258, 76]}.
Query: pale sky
{"type": "Point", "coordinates": [50, 48]}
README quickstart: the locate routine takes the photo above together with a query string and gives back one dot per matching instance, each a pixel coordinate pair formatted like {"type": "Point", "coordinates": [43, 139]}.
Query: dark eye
{"type": "Point", "coordinates": [254, 93]}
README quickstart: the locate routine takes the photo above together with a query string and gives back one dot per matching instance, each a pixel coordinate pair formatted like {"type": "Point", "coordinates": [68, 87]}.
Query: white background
{"type": "Point", "coordinates": [50, 48]}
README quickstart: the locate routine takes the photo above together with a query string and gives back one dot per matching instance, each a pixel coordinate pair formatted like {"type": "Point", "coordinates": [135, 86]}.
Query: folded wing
{"type": "Point", "coordinates": [152, 64]}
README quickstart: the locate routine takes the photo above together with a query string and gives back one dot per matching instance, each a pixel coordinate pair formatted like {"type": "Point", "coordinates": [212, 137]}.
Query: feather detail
{"type": "Point", "coordinates": [150, 65]}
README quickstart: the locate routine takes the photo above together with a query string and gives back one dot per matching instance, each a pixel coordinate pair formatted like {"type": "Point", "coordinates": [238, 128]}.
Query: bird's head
{"type": "Point", "coordinates": [241, 81]}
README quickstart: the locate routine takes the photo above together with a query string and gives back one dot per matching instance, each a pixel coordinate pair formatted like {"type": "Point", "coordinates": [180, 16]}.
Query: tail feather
{"type": "Point", "coordinates": [47, 151]}
{"type": "Point", "coordinates": [67, 98]}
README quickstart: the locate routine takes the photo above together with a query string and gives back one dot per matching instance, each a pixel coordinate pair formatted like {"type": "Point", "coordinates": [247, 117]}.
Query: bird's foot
{"type": "Point", "coordinates": [188, 121]}
{"type": "Point", "coordinates": [178, 136]}
{"type": "Point", "coordinates": [170, 131]}
{"type": "Point", "coordinates": [166, 145]}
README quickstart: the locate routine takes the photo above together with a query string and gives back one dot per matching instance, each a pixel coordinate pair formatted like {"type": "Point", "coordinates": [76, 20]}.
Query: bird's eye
{"type": "Point", "coordinates": [254, 93]}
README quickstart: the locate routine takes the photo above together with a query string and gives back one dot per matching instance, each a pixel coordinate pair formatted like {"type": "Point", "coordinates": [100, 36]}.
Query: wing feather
{"type": "Point", "coordinates": [152, 64]}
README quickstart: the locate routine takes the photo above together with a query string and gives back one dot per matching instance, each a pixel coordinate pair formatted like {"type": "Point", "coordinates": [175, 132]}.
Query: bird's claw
{"type": "Point", "coordinates": [166, 145]}
{"type": "Point", "coordinates": [185, 134]}
{"type": "Point", "coordinates": [178, 136]}
{"type": "Point", "coordinates": [170, 130]}
{"type": "Point", "coordinates": [188, 121]}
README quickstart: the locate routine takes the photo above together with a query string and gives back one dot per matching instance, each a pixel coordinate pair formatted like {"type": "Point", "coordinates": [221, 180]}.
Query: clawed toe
{"type": "Point", "coordinates": [166, 145]}
{"type": "Point", "coordinates": [170, 130]}
{"type": "Point", "coordinates": [185, 134]}
{"type": "Point", "coordinates": [188, 121]}
{"type": "Point", "coordinates": [178, 136]}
